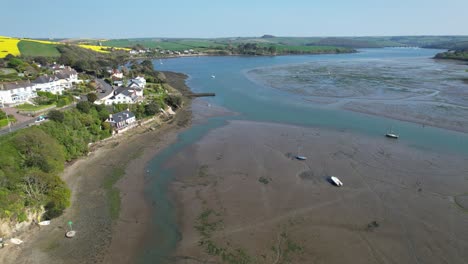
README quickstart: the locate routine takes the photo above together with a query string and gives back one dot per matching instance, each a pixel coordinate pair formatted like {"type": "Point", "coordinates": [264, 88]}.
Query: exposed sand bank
{"type": "Point", "coordinates": [243, 196]}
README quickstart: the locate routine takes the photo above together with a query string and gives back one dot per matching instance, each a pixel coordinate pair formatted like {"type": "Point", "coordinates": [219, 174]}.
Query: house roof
{"type": "Point", "coordinates": [15, 85]}
{"type": "Point", "coordinates": [137, 83]}
{"type": "Point", "coordinates": [122, 116]}
{"type": "Point", "coordinates": [43, 79]}
{"type": "Point", "coordinates": [124, 91]}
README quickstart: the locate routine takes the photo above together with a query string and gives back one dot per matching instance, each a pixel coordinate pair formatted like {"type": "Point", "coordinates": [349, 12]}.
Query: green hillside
{"type": "Point", "coordinates": [36, 49]}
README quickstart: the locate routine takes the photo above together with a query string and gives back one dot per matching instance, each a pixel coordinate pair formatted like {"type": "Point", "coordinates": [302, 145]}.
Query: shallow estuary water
{"type": "Point", "coordinates": [362, 95]}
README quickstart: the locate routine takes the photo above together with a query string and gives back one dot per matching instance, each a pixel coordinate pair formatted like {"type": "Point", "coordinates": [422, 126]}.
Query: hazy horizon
{"type": "Point", "coordinates": [119, 19]}
{"type": "Point", "coordinates": [162, 37]}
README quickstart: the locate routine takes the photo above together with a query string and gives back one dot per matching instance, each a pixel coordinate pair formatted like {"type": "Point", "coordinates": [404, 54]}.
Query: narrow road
{"type": "Point", "coordinates": [29, 122]}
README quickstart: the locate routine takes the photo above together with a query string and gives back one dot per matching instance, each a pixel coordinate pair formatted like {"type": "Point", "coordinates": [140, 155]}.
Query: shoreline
{"type": "Point", "coordinates": [237, 55]}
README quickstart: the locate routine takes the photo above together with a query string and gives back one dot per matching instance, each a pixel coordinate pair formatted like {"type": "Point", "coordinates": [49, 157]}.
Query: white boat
{"type": "Point", "coordinates": [16, 241]}
{"type": "Point", "coordinates": [299, 156]}
{"type": "Point", "coordinates": [392, 135]}
{"type": "Point", "coordinates": [44, 223]}
{"type": "Point", "coordinates": [70, 234]}
{"type": "Point", "coordinates": [212, 76]}
{"type": "Point", "coordinates": [336, 181]}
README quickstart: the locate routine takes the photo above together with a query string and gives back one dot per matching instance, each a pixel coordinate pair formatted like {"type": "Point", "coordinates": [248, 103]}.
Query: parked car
{"type": "Point", "coordinates": [40, 118]}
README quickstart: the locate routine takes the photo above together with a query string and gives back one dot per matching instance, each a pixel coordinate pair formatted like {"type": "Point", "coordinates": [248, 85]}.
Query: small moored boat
{"type": "Point", "coordinates": [44, 223]}
{"type": "Point", "coordinates": [336, 181]}
{"type": "Point", "coordinates": [301, 157]}
{"type": "Point", "coordinates": [16, 241]}
{"type": "Point", "coordinates": [70, 234]}
{"type": "Point", "coordinates": [391, 134]}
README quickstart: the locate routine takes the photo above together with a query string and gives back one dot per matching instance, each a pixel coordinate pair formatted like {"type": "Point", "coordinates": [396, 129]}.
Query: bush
{"type": "Point", "coordinates": [59, 201]}
{"type": "Point", "coordinates": [83, 107]}
{"type": "Point", "coordinates": [92, 97]}
{"type": "Point", "coordinates": [63, 101]}
{"type": "Point", "coordinates": [56, 116]}
{"type": "Point", "coordinates": [152, 108]}
{"type": "Point", "coordinates": [173, 101]}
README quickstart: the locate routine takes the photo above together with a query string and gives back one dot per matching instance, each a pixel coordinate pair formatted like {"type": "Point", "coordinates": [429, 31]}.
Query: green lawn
{"type": "Point", "coordinates": [6, 71]}
{"type": "Point", "coordinates": [35, 49]}
{"type": "Point", "coordinates": [30, 107]}
{"type": "Point", "coordinates": [3, 122]}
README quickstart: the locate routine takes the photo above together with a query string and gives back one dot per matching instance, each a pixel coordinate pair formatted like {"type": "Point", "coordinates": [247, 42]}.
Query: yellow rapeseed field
{"type": "Point", "coordinates": [102, 49]}
{"type": "Point", "coordinates": [94, 48]}
{"type": "Point", "coordinates": [42, 41]}
{"type": "Point", "coordinates": [8, 46]}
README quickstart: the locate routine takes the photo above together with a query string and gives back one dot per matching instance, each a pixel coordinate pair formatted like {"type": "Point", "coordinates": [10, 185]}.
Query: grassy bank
{"type": "Point", "coordinates": [34, 49]}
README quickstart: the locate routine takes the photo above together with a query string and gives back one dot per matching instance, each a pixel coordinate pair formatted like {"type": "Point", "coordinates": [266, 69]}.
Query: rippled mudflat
{"type": "Point", "coordinates": [420, 90]}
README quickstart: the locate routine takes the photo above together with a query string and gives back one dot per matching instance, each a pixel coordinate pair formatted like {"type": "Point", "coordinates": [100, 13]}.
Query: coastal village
{"type": "Point", "coordinates": [21, 98]}
{"type": "Point", "coordinates": [54, 102]}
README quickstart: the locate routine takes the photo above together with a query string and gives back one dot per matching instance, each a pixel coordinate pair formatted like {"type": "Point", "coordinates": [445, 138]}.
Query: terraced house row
{"type": "Point", "coordinates": [19, 92]}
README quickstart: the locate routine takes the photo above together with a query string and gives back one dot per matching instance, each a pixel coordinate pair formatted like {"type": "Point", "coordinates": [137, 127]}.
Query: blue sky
{"type": "Point", "coordinates": [210, 18]}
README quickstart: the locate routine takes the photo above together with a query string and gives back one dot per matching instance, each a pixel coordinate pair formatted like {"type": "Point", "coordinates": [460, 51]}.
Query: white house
{"type": "Point", "coordinates": [116, 74]}
{"type": "Point", "coordinates": [124, 95]}
{"type": "Point", "coordinates": [50, 84]}
{"type": "Point", "coordinates": [20, 92]}
{"type": "Point", "coordinates": [118, 83]}
{"type": "Point", "coordinates": [16, 93]}
{"type": "Point", "coordinates": [138, 82]}
{"type": "Point", "coordinates": [56, 84]}
{"type": "Point", "coordinates": [122, 120]}
{"type": "Point", "coordinates": [67, 77]}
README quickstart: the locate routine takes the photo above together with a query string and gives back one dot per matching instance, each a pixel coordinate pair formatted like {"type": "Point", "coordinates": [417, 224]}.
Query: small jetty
{"type": "Point", "coordinates": [199, 94]}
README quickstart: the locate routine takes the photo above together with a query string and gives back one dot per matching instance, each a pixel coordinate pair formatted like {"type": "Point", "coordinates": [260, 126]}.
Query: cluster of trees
{"type": "Point", "coordinates": [25, 66]}
{"type": "Point", "coordinates": [461, 54]}
{"type": "Point", "coordinates": [31, 159]}
{"type": "Point", "coordinates": [261, 49]}
{"type": "Point", "coordinates": [253, 49]}
{"type": "Point", "coordinates": [146, 68]}
{"type": "Point", "coordinates": [89, 61]}
{"type": "Point", "coordinates": [345, 43]}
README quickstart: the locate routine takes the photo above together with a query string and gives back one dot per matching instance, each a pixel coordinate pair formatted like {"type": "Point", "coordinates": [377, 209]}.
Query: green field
{"type": "Point", "coordinates": [35, 49]}
{"type": "Point", "coordinates": [168, 44]}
